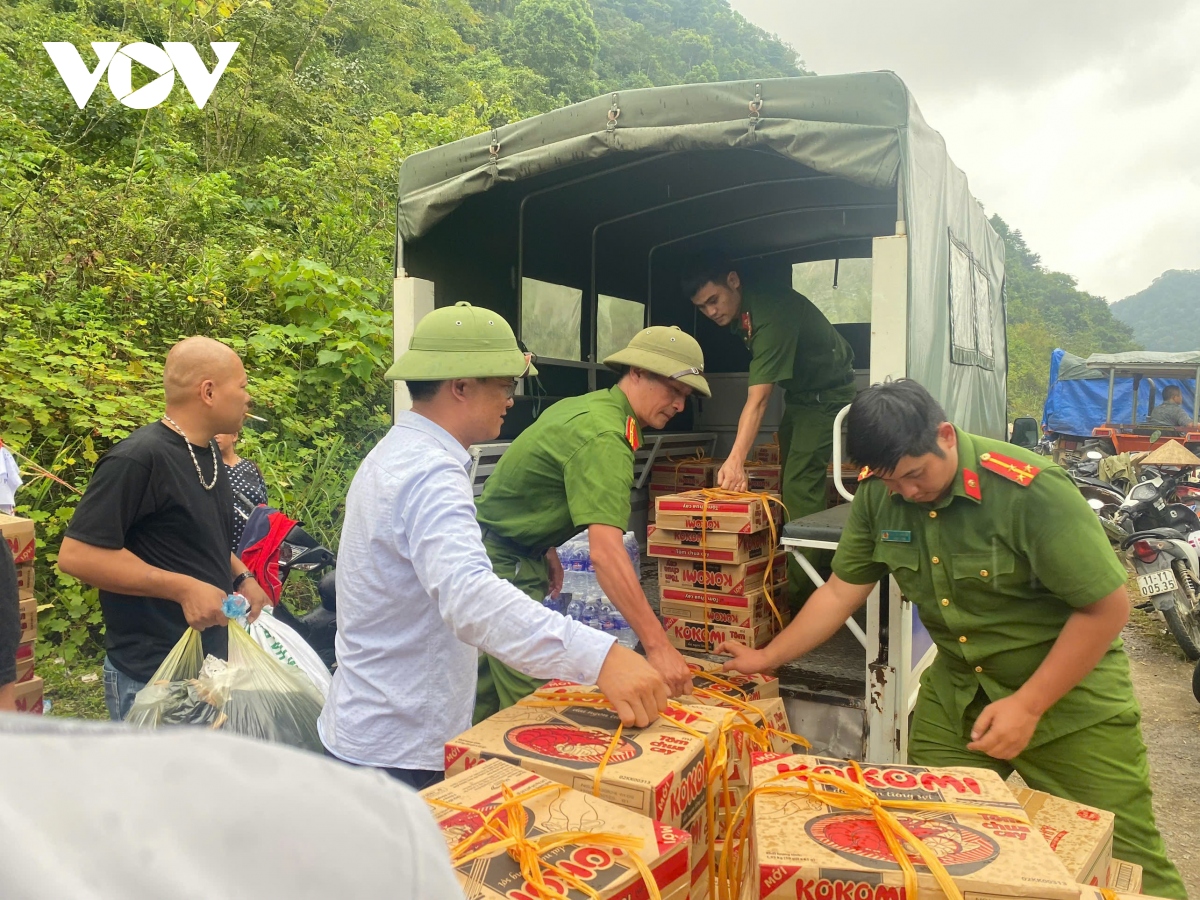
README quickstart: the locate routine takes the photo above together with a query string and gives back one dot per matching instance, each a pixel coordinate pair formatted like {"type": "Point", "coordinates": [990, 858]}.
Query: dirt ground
{"type": "Point", "coordinates": [1171, 725]}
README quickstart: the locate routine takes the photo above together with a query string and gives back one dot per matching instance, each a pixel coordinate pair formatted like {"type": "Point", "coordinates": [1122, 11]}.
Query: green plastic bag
{"type": "Point", "coordinates": [251, 694]}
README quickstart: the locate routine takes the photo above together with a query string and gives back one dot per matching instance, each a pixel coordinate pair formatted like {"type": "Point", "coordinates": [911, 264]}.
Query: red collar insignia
{"type": "Point", "coordinates": [864, 473]}
{"type": "Point", "coordinates": [971, 484]}
{"type": "Point", "coordinates": [632, 435]}
{"type": "Point", "coordinates": [746, 325]}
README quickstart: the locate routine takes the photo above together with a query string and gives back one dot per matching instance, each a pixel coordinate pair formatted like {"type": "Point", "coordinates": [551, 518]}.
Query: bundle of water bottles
{"type": "Point", "coordinates": [582, 598]}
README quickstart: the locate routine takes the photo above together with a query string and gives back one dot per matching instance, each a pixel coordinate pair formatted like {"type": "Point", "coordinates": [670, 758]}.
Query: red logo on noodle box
{"type": "Point", "coordinates": [1088, 814]}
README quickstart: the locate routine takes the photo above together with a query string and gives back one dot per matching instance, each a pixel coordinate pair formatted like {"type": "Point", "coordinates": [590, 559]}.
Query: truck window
{"type": "Point", "coordinates": [971, 310]}
{"type": "Point", "coordinates": [849, 301]}
{"type": "Point", "coordinates": [617, 321]}
{"type": "Point", "coordinates": [551, 319]}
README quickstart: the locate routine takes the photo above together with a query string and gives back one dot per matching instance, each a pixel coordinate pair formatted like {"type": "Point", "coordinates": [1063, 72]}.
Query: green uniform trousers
{"type": "Point", "coordinates": [805, 448]}
{"type": "Point", "coordinates": [1102, 765]}
{"type": "Point", "coordinates": [499, 686]}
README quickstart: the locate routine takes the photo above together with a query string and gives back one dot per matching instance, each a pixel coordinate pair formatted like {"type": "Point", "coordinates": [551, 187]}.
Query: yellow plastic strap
{"type": "Point", "coordinates": [719, 680]}
{"type": "Point", "coordinates": [720, 495]}
{"type": "Point", "coordinates": [505, 829]}
{"type": "Point", "coordinates": [760, 734]}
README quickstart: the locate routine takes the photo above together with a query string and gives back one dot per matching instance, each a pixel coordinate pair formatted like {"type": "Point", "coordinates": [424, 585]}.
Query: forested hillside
{"type": "Point", "coordinates": [265, 219]}
{"type": "Point", "coordinates": [1047, 310]}
{"type": "Point", "coordinates": [1166, 315]}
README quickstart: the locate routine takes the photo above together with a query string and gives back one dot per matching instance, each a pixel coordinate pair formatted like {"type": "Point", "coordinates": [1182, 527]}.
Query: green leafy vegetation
{"type": "Point", "coordinates": [1046, 310]}
{"type": "Point", "coordinates": [1166, 315]}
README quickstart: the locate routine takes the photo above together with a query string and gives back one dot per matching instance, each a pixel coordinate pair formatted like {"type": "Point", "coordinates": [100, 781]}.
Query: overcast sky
{"type": "Point", "coordinates": [1078, 122]}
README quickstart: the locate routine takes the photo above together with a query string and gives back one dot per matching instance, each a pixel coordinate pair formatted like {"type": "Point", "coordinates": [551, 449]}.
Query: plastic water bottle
{"type": "Point", "coordinates": [235, 606]}
{"type": "Point", "coordinates": [606, 615]}
{"type": "Point", "coordinates": [625, 635]}
{"type": "Point", "coordinates": [635, 554]}
{"type": "Point", "coordinates": [591, 614]}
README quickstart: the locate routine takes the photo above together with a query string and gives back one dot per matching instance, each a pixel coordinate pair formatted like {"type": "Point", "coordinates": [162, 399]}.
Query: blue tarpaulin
{"type": "Point", "coordinates": [1078, 403]}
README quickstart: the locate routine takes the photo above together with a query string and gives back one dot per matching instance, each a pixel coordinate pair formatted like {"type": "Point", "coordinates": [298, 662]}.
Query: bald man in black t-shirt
{"type": "Point", "coordinates": [152, 531]}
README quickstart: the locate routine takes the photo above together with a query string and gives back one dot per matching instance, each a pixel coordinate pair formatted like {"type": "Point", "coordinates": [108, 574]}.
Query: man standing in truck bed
{"type": "Point", "coordinates": [793, 345]}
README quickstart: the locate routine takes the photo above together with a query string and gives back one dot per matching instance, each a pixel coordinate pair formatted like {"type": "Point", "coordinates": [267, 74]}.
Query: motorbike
{"type": "Point", "coordinates": [1103, 497]}
{"type": "Point", "coordinates": [297, 551]}
{"type": "Point", "coordinates": [1160, 538]}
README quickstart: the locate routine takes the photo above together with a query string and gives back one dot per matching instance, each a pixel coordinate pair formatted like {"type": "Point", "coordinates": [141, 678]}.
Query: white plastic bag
{"type": "Point", "coordinates": [283, 644]}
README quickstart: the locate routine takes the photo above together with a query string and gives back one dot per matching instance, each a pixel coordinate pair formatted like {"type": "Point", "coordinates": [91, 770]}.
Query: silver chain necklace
{"type": "Point", "coordinates": [192, 453]}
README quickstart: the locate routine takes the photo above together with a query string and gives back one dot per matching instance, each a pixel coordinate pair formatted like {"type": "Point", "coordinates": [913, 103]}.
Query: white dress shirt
{"type": "Point", "coordinates": [416, 595]}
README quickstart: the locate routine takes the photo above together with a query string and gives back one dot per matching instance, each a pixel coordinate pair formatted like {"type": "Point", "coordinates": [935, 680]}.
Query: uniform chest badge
{"type": "Point", "coordinates": [747, 325]}
{"type": "Point", "coordinates": [631, 434]}
{"type": "Point", "coordinates": [896, 537]}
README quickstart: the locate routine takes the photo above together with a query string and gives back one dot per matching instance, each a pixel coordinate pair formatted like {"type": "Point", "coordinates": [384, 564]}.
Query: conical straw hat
{"type": "Point", "coordinates": [1172, 453]}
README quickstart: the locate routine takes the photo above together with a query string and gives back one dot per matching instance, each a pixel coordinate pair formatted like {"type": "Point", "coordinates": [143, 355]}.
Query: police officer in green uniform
{"type": "Point", "coordinates": [793, 345]}
{"type": "Point", "coordinates": [572, 470]}
{"type": "Point", "coordinates": [1018, 586]}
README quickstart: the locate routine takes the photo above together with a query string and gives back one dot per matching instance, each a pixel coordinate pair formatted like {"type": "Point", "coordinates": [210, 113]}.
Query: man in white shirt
{"type": "Point", "coordinates": [417, 597]}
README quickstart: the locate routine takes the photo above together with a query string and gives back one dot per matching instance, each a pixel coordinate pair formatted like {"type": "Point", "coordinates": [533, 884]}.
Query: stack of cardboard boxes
{"type": "Point", "coordinates": [461, 803]}
{"type": "Point", "coordinates": [719, 570]}
{"type": "Point", "coordinates": [763, 470]}
{"type": "Point", "coordinates": [19, 535]}
{"type": "Point", "coordinates": [675, 476]}
{"type": "Point", "coordinates": [660, 772]}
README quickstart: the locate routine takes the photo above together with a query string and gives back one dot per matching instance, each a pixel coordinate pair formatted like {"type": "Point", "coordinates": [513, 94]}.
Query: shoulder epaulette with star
{"type": "Point", "coordinates": [1015, 471]}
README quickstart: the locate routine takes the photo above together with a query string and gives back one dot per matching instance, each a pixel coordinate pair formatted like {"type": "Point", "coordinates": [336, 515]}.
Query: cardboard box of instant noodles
{"type": "Point", "coordinates": [659, 771]}
{"type": "Point", "coordinates": [1124, 877]}
{"type": "Point", "coordinates": [708, 675]}
{"type": "Point", "coordinates": [803, 848]}
{"type": "Point", "coordinates": [608, 870]}
{"type": "Point", "coordinates": [1081, 836]}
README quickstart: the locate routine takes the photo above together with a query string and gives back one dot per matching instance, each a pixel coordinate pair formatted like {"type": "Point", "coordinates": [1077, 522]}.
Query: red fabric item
{"type": "Point", "coordinates": [262, 558]}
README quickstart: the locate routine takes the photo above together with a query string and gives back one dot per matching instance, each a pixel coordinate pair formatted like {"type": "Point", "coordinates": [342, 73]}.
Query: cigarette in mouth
{"type": "Point", "coordinates": [255, 418]}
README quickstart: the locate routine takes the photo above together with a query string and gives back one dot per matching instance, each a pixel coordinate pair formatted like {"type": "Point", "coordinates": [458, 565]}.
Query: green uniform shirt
{"type": "Point", "coordinates": [571, 468]}
{"type": "Point", "coordinates": [995, 577]}
{"type": "Point", "coordinates": [792, 344]}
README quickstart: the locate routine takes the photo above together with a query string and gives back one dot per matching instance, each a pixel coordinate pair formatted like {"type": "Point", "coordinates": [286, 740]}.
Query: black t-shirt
{"type": "Point", "coordinates": [146, 497]}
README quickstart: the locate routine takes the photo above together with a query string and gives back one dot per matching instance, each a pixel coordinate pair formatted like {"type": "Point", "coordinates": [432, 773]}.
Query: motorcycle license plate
{"type": "Point", "coordinates": [1160, 582]}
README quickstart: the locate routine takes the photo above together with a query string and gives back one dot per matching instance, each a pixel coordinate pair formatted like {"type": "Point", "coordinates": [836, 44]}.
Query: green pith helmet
{"type": "Point", "coordinates": [668, 352]}
{"type": "Point", "coordinates": [461, 341]}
